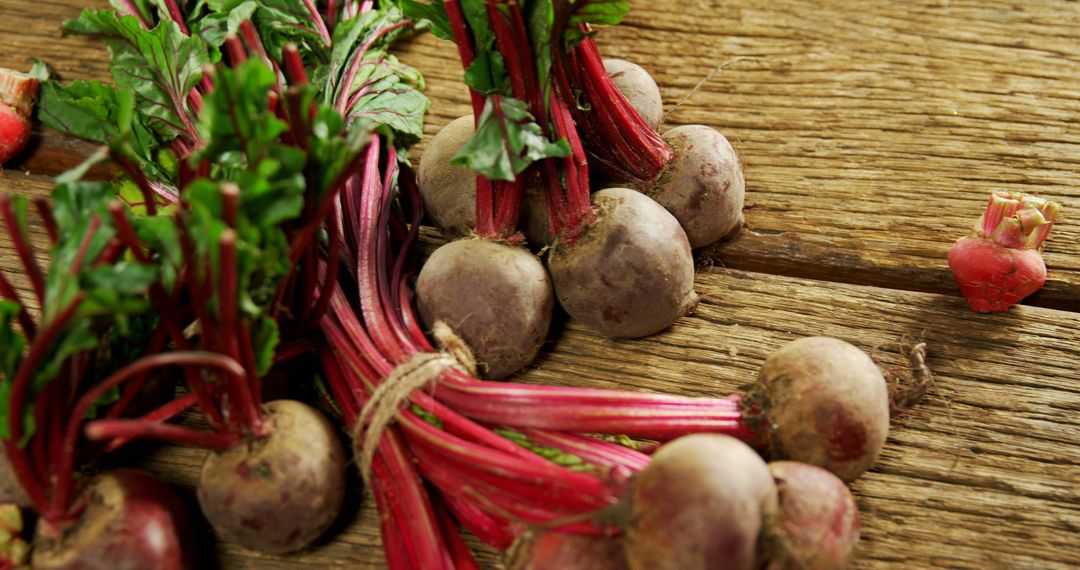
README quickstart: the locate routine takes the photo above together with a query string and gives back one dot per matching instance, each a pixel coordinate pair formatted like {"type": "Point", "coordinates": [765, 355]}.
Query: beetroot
{"type": "Point", "coordinates": [999, 264]}
{"type": "Point", "coordinates": [703, 186]}
{"type": "Point", "coordinates": [534, 222]}
{"type": "Point", "coordinates": [496, 297]}
{"type": "Point", "coordinates": [700, 504]}
{"type": "Point", "coordinates": [18, 92]}
{"type": "Point", "coordinates": [631, 274]}
{"type": "Point", "coordinates": [817, 523]}
{"type": "Point", "coordinates": [130, 521]}
{"type": "Point", "coordinates": [639, 88]}
{"type": "Point", "coordinates": [821, 401]}
{"type": "Point", "coordinates": [448, 191]}
{"type": "Point", "coordinates": [277, 493]}
{"type": "Point", "coordinates": [559, 551]}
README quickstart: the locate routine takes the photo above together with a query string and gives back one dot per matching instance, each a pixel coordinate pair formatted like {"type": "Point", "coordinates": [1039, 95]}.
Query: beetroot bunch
{"type": "Point", "coordinates": [268, 220]}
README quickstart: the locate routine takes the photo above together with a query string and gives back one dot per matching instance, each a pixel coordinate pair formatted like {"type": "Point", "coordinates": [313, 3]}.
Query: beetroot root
{"type": "Point", "coordinates": [703, 186]}
{"type": "Point", "coordinates": [535, 222]}
{"type": "Point", "coordinates": [18, 92]}
{"type": "Point", "coordinates": [560, 551]}
{"type": "Point", "coordinates": [631, 274]}
{"type": "Point", "coordinates": [817, 523]}
{"type": "Point", "coordinates": [496, 297]}
{"type": "Point", "coordinates": [131, 521]}
{"type": "Point", "coordinates": [448, 191]}
{"type": "Point", "coordinates": [280, 492]}
{"type": "Point", "coordinates": [999, 263]}
{"type": "Point", "coordinates": [639, 88]}
{"type": "Point", "coordinates": [823, 402]}
{"type": "Point", "coordinates": [700, 504]}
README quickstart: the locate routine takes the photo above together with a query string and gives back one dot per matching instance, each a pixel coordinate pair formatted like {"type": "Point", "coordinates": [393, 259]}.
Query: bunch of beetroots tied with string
{"type": "Point", "coordinates": [265, 211]}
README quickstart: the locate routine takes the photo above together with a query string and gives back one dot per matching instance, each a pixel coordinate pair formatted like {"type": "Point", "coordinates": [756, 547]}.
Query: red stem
{"type": "Point", "coordinates": [20, 461]}
{"type": "Point", "coordinates": [26, 321]}
{"type": "Point", "coordinates": [295, 73]}
{"type": "Point", "coordinates": [230, 203]}
{"type": "Point", "coordinates": [76, 263]}
{"type": "Point", "coordinates": [333, 267]}
{"type": "Point", "coordinates": [212, 360]}
{"type": "Point", "coordinates": [100, 430]}
{"type": "Point", "coordinates": [460, 554]}
{"type": "Point", "coordinates": [235, 51]}
{"type": "Point", "coordinates": [110, 253]}
{"type": "Point", "coordinates": [44, 209]}
{"type": "Point", "coordinates": [174, 13]}
{"type": "Point", "coordinates": [320, 25]}
{"type": "Point", "coordinates": [164, 413]}
{"type": "Point", "coordinates": [22, 249]}
{"type": "Point", "coordinates": [139, 178]}
{"type": "Point", "coordinates": [357, 59]}
{"type": "Point", "coordinates": [465, 48]}
{"type": "Point", "coordinates": [237, 388]}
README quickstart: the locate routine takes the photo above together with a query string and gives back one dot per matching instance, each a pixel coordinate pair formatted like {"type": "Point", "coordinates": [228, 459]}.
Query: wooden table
{"type": "Point", "coordinates": [872, 132]}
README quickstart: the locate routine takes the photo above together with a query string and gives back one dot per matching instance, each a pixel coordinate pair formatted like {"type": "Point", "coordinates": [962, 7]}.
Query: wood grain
{"type": "Point", "coordinates": [873, 132]}
{"type": "Point", "coordinates": [984, 474]}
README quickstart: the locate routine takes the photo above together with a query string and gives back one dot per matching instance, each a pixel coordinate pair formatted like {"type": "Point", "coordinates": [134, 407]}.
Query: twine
{"type": "Point", "coordinates": [392, 393]}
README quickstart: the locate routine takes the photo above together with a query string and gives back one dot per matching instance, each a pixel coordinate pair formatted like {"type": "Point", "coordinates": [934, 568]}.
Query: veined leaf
{"type": "Point", "coordinates": [507, 141]}
{"type": "Point", "coordinates": [160, 66]}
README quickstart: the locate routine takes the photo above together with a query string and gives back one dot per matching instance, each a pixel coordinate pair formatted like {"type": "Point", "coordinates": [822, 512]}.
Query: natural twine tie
{"type": "Point", "coordinates": [413, 374]}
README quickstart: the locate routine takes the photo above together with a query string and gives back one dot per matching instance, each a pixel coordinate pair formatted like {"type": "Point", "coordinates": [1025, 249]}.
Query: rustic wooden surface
{"type": "Point", "coordinates": [872, 132]}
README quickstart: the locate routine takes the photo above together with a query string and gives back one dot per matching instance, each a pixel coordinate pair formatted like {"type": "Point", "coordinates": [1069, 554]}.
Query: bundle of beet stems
{"type": "Point", "coordinates": [479, 444]}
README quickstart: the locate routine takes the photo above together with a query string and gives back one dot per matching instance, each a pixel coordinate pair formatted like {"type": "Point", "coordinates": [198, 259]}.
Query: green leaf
{"type": "Point", "coordinates": [487, 73]}
{"type": "Point", "coordinates": [539, 18]}
{"type": "Point", "coordinates": [162, 236]}
{"type": "Point", "coordinates": [332, 150]}
{"type": "Point", "coordinates": [217, 26]}
{"type": "Point", "coordinates": [236, 114]}
{"type": "Point", "coordinates": [77, 338]}
{"type": "Point", "coordinates": [264, 341]}
{"type": "Point", "coordinates": [160, 66]}
{"type": "Point", "coordinates": [426, 416]}
{"type": "Point", "coordinates": [101, 113]}
{"type": "Point", "coordinates": [507, 141]}
{"type": "Point", "coordinates": [383, 92]}
{"type": "Point", "coordinates": [555, 455]}
{"type": "Point", "coordinates": [430, 15]}
{"type": "Point", "coordinates": [86, 109]}
{"type": "Point", "coordinates": [278, 22]}
{"type": "Point", "coordinates": [11, 342]}
{"type": "Point", "coordinates": [604, 12]}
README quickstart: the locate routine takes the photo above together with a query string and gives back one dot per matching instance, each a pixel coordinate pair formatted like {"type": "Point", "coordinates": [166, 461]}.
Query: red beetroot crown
{"type": "Point", "coordinates": [1017, 220]}
{"type": "Point", "coordinates": [18, 90]}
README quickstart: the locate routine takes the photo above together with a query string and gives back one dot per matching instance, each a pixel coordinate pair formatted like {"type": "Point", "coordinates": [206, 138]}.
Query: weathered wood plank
{"type": "Point", "coordinates": [984, 474]}
{"type": "Point", "coordinates": [872, 132]}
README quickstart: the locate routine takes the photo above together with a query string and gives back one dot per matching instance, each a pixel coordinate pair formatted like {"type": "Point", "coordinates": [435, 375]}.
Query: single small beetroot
{"type": "Point", "coordinates": [18, 91]}
{"type": "Point", "coordinates": [131, 521]}
{"type": "Point", "coordinates": [822, 401]}
{"type": "Point", "coordinates": [280, 492]}
{"type": "Point", "coordinates": [817, 522]}
{"type": "Point", "coordinates": [639, 88]}
{"type": "Point", "coordinates": [700, 505]}
{"type": "Point", "coordinates": [998, 263]}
